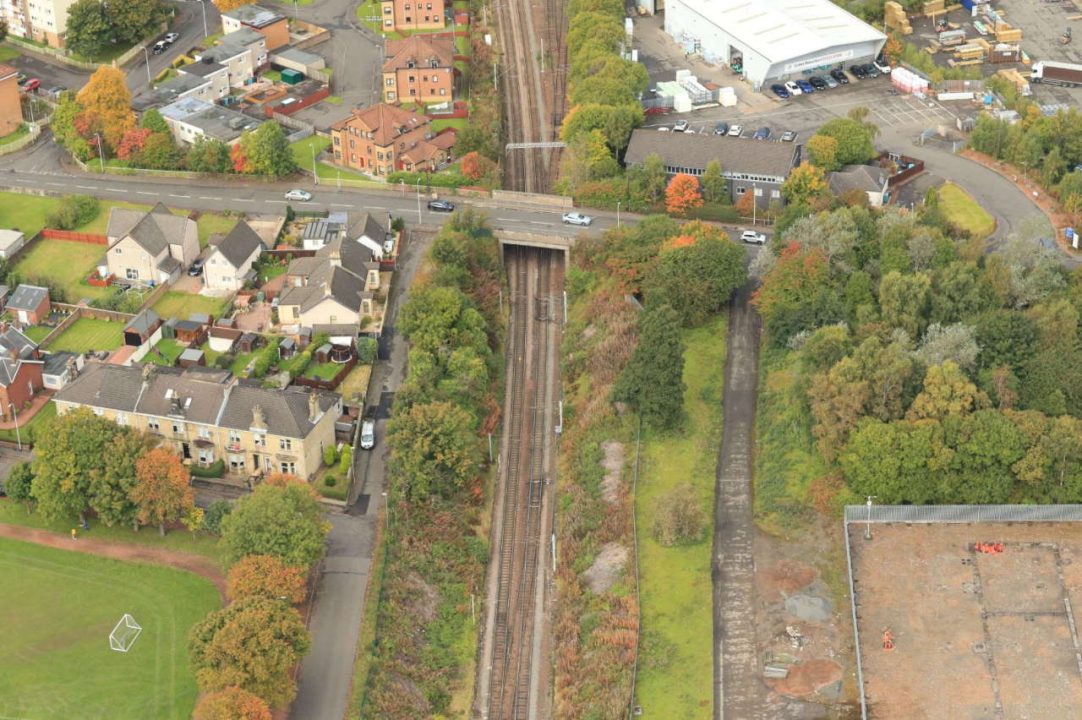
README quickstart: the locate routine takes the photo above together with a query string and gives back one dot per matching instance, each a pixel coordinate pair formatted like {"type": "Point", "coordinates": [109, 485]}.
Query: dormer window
{"type": "Point", "coordinates": [410, 64]}
{"type": "Point", "coordinates": [435, 63]}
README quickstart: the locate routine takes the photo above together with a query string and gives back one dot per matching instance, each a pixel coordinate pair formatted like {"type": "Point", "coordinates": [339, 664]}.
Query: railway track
{"type": "Point", "coordinates": [514, 684]}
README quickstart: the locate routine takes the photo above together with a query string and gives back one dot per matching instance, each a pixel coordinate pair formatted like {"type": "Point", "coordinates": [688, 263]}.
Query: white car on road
{"type": "Point", "coordinates": [299, 195]}
{"type": "Point", "coordinates": [574, 218]}
{"type": "Point", "coordinates": [736, 131]}
{"type": "Point", "coordinates": [750, 236]}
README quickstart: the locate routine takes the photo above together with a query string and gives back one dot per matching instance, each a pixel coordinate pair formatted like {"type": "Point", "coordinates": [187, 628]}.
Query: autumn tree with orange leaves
{"type": "Point", "coordinates": [106, 98]}
{"type": "Point", "coordinates": [266, 576]}
{"type": "Point", "coordinates": [252, 644]}
{"type": "Point", "coordinates": [163, 491]}
{"type": "Point", "coordinates": [682, 194]}
{"type": "Point", "coordinates": [232, 703]}
{"type": "Point", "coordinates": [227, 5]}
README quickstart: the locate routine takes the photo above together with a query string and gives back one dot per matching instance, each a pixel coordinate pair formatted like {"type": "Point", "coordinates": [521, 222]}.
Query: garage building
{"type": "Point", "coordinates": [772, 40]}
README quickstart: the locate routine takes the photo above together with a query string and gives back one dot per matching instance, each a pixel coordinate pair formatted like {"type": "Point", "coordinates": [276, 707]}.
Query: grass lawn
{"type": "Point", "coordinates": [964, 211]}
{"type": "Point", "coordinates": [272, 75]}
{"type": "Point", "coordinates": [456, 123]}
{"type": "Point", "coordinates": [28, 431]}
{"type": "Point", "coordinates": [182, 304]}
{"type": "Point", "coordinates": [462, 45]}
{"type": "Point", "coordinates": [210, 223]}
{"type": "Point", "coordinates": [269, 272]}
{"type": "Point", "coordinates": [333, 99]}
{"type": "Point", "coordinates": [168, 351]}
{"type": "Point", "coordinates": [8, 53]}
{"type": "Point", "coordinates": [675, 668]}
{"type": "Point", "coordinates": [322, 371]}
{"type": "Point", "coordinates": [26, 212]}
{"type": "Point", "coordinates": [66, 263]}
{"type": "Point", "coordinates": [338, 491]}
{"type": "Point", "coordinates": [59, 608]}
{"type": "Point", "coordinates": [90, 334]}
{"type": "Point", "coordinates": [11, 137]}
{"type": "Point", "coordinates": [240, 363]}
{"type": "Point", "coordinates": [37, 333]}
{"type": "Point", "coordinates": [302, 149]}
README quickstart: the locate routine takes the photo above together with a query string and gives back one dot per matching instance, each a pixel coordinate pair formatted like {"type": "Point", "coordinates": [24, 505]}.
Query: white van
{"type": "Point", "coordinates": [368, 434]}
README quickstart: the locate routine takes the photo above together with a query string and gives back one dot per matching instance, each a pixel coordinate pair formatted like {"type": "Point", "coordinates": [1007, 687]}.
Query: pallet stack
{"type": "Point", "coordinates": [894, 17]}
{"type": "Point", "coordinates": [1016, 78]}
{"type": "Point", "coordinates": [1007, 34]}
{"type": "Point", "coordinates": [933, 7]}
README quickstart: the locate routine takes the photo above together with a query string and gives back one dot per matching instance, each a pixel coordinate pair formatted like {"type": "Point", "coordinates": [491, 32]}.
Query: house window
{"type": "Point", "coordinates": [406, 6]}
{"type": "Point", "coordinates": [390, 81]}
{"type": "Point", "coordinates": [259, 440]}
{"type": "Point", "coordinates": [234, 437]}
{"type": "Point", "coordinates": [119, 251]}
{"type": "Point", "coordinates": [337, 140]}
{"type": "Point", "coordinates": [206, 456]}
{"type": "Point", "coordinates": [289, 468]}
{"type": "Point", "coordinates": [285, 444]}
{"type": "Point", "coordinates": [741, 190]}
{"type": "Point", "coordinates": [236, 463]}
{"type": "Point", "coordinates": [152, 424]}
{"type": "Point", "coordinates": [412, 78]}
{"type": "Point", "coordinates": [413, 92]}
{"type": "Point", "coordinates": [387, 23]}
{"type": "Point", "coordinates": [178, 428]}
{"type": "Point", "coordinates": [204, 432]}
{"type": "Point", "coordinates": [443, 91]}
{"type": "Point", "coordinates": [775, 193]}
{"type": "Point", "coordinates": [409, 19]}
{"type": "Point", "coordinates": [131, 274]}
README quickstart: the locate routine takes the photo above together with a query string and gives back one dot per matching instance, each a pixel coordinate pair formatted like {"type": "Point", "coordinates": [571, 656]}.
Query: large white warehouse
{"type": "Point", "coordinates": [772, 39]}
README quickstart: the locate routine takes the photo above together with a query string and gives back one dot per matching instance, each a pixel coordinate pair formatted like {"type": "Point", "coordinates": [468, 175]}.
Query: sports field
{"type": "Point", "coordinates": [56, 611]}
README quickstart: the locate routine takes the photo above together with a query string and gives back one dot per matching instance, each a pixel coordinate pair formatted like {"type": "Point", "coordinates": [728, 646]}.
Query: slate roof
{"type": "Point", "coordinates": [239, 244]}
{"type": "Point", "coordinates": [154, 231]}
{"type": "Point", "coordinates": [197, 395]}
{"type": "Point", "coordinates": [27, 297]}
{"type": "Point", "coordinates": [736, 155]}
{"type": "Point", "coordinates": [387, 123]}
{"type": "Point", "coordinates": [350, 253]}
{"type": "Point", "coordinates": [144, 323]}
{"type": "Point", "coordinates": [56, 363]}
{"type": "Point", "coordinates": [369, 227]}
{"type": "Point", "coordinates": [867, 178]}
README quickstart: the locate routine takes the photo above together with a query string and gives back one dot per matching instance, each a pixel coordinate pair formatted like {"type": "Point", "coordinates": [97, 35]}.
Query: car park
{"type": "Point", "coordinates": [196, 268]}
{"type": "Point", "coordinates": [441, 206]}
{"type": "Point", "coordinates": [779, 90]}
{"type": "Point", "coordinates": [882, 65]}
{"type": "Point", "coordinates": [721, 128]}
{"type": "Point", "coordinates": [751, 236]}
{"type": "Point", "coordinates": [870, 70]}
{"type": "Point", "coordinates": [680, 126]}
{"type": "Point", "coordinates": [830, 81]}
{"type": "Point", "coordinates": [574, 218]}
{"type": "Point", "coordinates": [817, 82]}
{"type": "Point", "coordinates": [839, 75]}
{"type": "Point", "coordinates": [736, 131]}
{"type": "Point", "coordinates": [788, 136]}
{"type": "Point", "coordinates": [301, 195]}
{"type": "Point", "coordinates": [858, 72]}
{"type": "Point", "coordinates": [762, 133]}
{"type": "Point", "coordinates": [793, 88]}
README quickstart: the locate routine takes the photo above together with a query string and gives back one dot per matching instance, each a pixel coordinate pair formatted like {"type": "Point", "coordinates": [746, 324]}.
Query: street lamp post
{"type": "Point", "coordinates": [617, 214]}
{"type": "Point", "coordinates": [147, 56]}
{"type": "Point", "coordinates": [315, 175]}
{"type": "Point", "coordinates": [203, 5]}
{"type": "Point", "coordinates": [101, 154]}
{"type": "Point", "coordinates": [18, 438]}
{"type": "Point", "coordinates": [418, 201]}
{"type": "Point", "coordinates": [868, 524]}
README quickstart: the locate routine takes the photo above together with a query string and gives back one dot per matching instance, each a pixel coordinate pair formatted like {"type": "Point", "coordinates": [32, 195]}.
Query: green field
{"type": "Point", "coordinates": [57, 610]}
{"type": "Point", "coordinates": [964, 211]}
{"type": "Point", "coordinates": [182, 304]}
{"type": "Point", "coordinates": [90, 334]}
{"type": "Point", "coordinates": [675, 665]}
{"type": "Point", "coordinates": [67, 264]}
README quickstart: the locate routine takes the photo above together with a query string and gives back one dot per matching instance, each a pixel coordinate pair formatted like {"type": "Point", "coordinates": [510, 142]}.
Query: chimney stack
{"type": "Point", "coordinates": [313, 407]}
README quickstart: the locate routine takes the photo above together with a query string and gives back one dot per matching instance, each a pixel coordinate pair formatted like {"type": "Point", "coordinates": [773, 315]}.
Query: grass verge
{"type": "Point", "coordinates": [965, 212]}
{"type": "Point", "coordinates": [675, 665]}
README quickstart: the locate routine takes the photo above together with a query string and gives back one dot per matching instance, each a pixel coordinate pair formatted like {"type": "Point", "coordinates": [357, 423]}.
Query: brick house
{"type": "Point", "coordinates": [207, 415]}
{"type": "Point", "coordinates": [21, 368]}
{"type": "Point", "coordinates": [151, 247]}
{"type": "Point", "coordinates": [11, 112]}
{"type": "Point", "coordinates": [29, 304]}
{"type": "Point", "coordinates": [382, 139]}
{"type": "Point", "coordinates": [419, 69]}
{"type": "Point", "coordinates": [412, 14]}
{"type": "Point", "coordinates": [269, 23]}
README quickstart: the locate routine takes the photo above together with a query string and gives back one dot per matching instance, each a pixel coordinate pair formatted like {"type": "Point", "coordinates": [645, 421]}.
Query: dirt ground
{"type": "Point", "coordinates": [974, 633]}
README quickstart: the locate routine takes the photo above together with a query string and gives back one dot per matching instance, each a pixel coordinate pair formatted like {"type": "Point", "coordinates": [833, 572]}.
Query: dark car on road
{"type": "Point", "coordinates": [839, 75]}
{"type": "Point", "coordinates": [441, 206]}
{"type": "Point", "coordinates": [721, 128]}
{"type": "Point", "coordinates": [779, 90]}
{"type": "Point", "coordinates": [818, 83]}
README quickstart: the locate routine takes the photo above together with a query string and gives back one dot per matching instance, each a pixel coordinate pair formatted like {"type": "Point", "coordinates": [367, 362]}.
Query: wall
{"type": "Point", "coordinates": [92, 238]}
{"type": "Point", "coordinates": [142, 350]}
{"type": "Point", "coordinates": [327, 384]}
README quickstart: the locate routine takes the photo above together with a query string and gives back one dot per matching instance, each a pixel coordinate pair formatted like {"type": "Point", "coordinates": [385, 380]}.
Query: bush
{"type": "Point", "coordinates": [74, 211]}
{"type": "Point", "coordinates": [680, 518]}
{"type": "Point", "coordinates": [330, 481]}
{"type": "Point", "coordinates": [215, 470]}
{"type": "Point", "coordinates": [367, 348]}
{"type": "Point", "coordinates": [428, 180]}
{"type": "Point", "coordinates": [345, 459]}
{"type": "Point", "coordinates": [212, 520]}
{"type": "Point", "coordinates": [329, 455]}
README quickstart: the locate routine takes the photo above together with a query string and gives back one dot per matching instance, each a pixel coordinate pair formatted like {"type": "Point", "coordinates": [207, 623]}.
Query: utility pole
{"type": "Point", "coordinates": [206, 33]}
{"type": "Point", "coordinates": [101, 155]}
{"type": "Point", "coordinates": [147, 56]}
{"type": "Point", "coordinates": [18, 438]}
{"type": "Point", "coordinates": [315, 175]}
{"type": "Point", "coordinates": [419, 202]}
{"type": "Point", "coordinates": [868, 524]}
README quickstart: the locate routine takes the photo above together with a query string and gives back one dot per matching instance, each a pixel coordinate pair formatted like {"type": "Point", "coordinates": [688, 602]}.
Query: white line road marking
{"type": "Point", "coordinates": [115, 190]}
{"type": "Point", "coordinates": [180, 196]}
{"type": "Point", "coordinates": [346, 205]}
{"type": "Point", "coordinates": [51, 184]}
{"type": "Point", "coordinates": [204, 197]}
{"type": "Point", "coordinates": [144, 192]}
{"type": "Point", "coordinates": [247, 200]}
{"type": "Point", "coordinates": [276, 202]}
{"type": "Point", "coordinates": [540, 222]}
{"type": "Point", "coordinates": [85, 187]}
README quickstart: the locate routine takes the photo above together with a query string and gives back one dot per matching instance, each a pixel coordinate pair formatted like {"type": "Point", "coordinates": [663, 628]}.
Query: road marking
{"type": "Point", "coordinates": [243, 200]}
{"type": "Point", "coordinates": [181, 196]}
{"type": "Point", "coordinates": [339, 205]}
{"type": "Point", "coordinates": [144, 192]}
{"type": "Point", "coordinates": [55, 184]}
{"type": "Point", "coordinates": [119, 190]}
{"type": "Point", "coordinates": [204, 197]}
{"type": "Point", "coordinates": [276, 202]}
{"type": "Point", "coordinates": [85, 187]}
{"type": "Point", "coordinates": [540, 222]}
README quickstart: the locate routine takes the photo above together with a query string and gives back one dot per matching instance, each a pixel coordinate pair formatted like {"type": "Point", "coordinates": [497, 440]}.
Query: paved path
{"type": "Point", "coordinates": [739, 693]}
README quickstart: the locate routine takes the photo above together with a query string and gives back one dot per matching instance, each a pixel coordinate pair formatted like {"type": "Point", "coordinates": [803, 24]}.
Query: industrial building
{"type": "Point", "coordinates": [771, 40]}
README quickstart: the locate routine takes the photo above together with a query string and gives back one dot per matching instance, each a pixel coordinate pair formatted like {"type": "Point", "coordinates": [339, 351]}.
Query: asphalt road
{"type": "Point", "coordinates": [189, 23]}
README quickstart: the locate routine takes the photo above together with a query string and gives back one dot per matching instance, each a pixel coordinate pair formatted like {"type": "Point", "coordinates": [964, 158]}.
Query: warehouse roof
{"type": "Point", "coordinates": [693, 151]}
{"type": "Point", "coordinates": [783, 29]}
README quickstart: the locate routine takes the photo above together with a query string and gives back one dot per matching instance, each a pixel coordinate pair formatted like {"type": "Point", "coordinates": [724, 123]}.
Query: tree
{"type": "Point", "coordinates": [892, 461]}
{"type": "Point", "coordinates": [715, 186]}
{"type": "Point", "coordinates": [433, 449]}
{"type": "Point", "coordinates": [212, 520]}
{"type": "Point", "coordinates": [268, 577]}
{"type": "Point", "coordinates": [252, 644]}
{"type": "Point", "coordinates": [805, 184]}
{"type": "Point", "coordinates": [1006, 337]}
{"type": "Point", "coordinates": [470, 165]}
{"type": "Point", "coordinates": [111, 488]}
{"type": "Point", "coordinates": [823, 152]}
{"type": "Point", "coordinates": [680, 518]}
{"type": "Point", "coordinates": [654, 175]}
{"type": "Point", "coordinates": [682, 194]}
{"type": "Point", "coordinates": [653, 380]}
{"type": "Point", "coordinates": [267, 151]}
{"type": "Point", "coordinates": [152, 120]}
{"type": "Point", "coordinates": [67, 454]}
{"type": "Point", "coordinates": [615, 121]}
{"type": "Point", "coordinates": [284, 521]}
{"type": "Point", "coordinates": [697, 279]}
{"type": "Point", "coordinates": [106, 97]}
{"type": "Point", "coordinates": [19, 485]}
{"type": "Point", "coordinates": [134, 20]}
{"type": "Point", "coordinates": [3, 29]}
{"type": "Point", "coordinates": [159, 152]}
{"type": "Point", "coordinates": [854, 140]}
{"type": "Point", "coordinates": [903, 301]}
{"type": "Point", "coordinates": [227, 5]}
{"type": "Point", "coordinates": [956, 343]}
{"type": "Point", "coordinates": [794, 294]}
{"type": "Point", "coordinates": [163, 491]}
{"type": "Point", "coordinates": [209, 156]}
{"type": "Point", "coordinates": [88, 28]}
{"type": "Point", "coordinates": [132, 143]}
{"type": "Point", "coordinates": [231, 703]}
{"type": "Point", "coordinates": [745, 205]}
{"type": "Point", "coordinates": [238, 159]}
{"type": "Point", "coordinates": [947, 391]}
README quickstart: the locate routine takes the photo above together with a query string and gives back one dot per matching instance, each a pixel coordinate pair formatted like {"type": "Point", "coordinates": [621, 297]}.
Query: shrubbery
{"type": "Point", "coordinates": [74, 211]}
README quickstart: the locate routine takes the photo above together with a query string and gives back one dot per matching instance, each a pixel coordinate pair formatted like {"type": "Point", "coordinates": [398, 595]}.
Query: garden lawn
{"type": "Point", "coordinates": [25, 212]}
{"type": "Point", "coordinates": [322, 371]}
{"type": "Point", "coordinates": [676, 666]}
{"type": "Point", "coordinates": [37, 333]}
{"type": "Point", "coordinates": [965, 212]}
{"type": "Point", "coordinates": [19, 132]}
{"type": "Point", "coordinates": [28, 431]}
{"type": "Point", "coordinates": [181, 305]}
{"type": "Point", "coordinates": [8, 53]}
{"type": "Point", "coordinates": [87, 334]}
{"type": "Point", "coordinates": [168, 350]}
{"type": "Point", "coordinates": [210, 223]}
{"type": "Point", "coordinates": [58, 609]}
{"type": "Point", "coordinates": [66, 264]}
{"type": "Point", "coordinates": [302, 149]}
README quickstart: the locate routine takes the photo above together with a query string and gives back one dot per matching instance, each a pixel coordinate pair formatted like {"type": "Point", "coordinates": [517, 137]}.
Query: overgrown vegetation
{"type": "Point", "coordinates": [435, 556]}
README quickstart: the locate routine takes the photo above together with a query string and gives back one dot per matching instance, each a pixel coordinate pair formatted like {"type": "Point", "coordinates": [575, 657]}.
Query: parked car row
{"type": "Point", "coordinates": [833, 79]}
{"type": "Point", "coordinates": [165, 43]}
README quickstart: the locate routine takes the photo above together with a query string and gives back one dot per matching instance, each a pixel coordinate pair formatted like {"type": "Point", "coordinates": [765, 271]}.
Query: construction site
{"type": "Point", "coordinates": [962, 618]}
